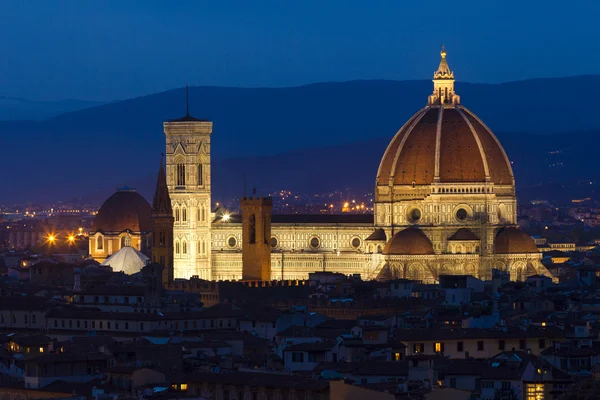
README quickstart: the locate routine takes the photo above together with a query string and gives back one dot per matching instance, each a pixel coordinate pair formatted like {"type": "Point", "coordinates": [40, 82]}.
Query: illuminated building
{"type": "Point", "coordinates": [445, 203]}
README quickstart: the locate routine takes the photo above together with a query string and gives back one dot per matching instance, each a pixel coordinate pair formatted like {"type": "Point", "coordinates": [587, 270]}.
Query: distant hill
{"type": "Point", "coordinates": [12, 108]}
{"type": "Point", "coordinates": [262, 131]}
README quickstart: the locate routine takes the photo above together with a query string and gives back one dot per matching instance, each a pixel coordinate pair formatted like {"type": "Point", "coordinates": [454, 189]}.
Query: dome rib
{"type": "Point", "coordinates": [497, 144]}
{"type": "Point", "coordinates": [438, 141]}
{"type": "Point", "coordinates": [390, 151]}
{"type": "Point", "coordinates": [486, 169]}
{"type": "Point", "coordinates": [416, 136]}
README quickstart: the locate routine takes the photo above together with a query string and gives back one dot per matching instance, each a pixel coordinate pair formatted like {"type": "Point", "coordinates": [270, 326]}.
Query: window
{"type": "Point", "coordinates": [85, 324]}
{"type": "Point", "coordinates": [480, 345]}
{"type": "Point", "coordinates": [176, 247]}
{"type": "Point", "coordinates": [176, 214]}
{"type": "Point", "coordinates": [26, 318]}
{"type": "Point", "coordinates": [184, 214]}
{"type": "Point", "coordinates": [184, 246]}
{"type": "Point", "coordinates": [180, 174]}
{"type": "Point", "coordinates": [141, 326]}
{"type": "Point", "coordinates": [505, 385]}
{"type": "Point", "coordinates": [126, 241]}
{"type": "Point", "coordinates": [487, 385]}
{"type": "Point", "coordinates": [126, 325]}
{"type": "Point", "coordinates": [542, 343]}
{"type": "Point", "coordinates": [297, 357]}
{"type": "Point", "coordinates": [397, 357]}
{"type": "Point", "coordinates": [522, 344]}
{"type": "Point", "coordinates": [418, 348]}
{"type": "Point", "coordinates": [93, 324]}
{"type": "Point", "coordinates": [314, 242]}
{"type": "Point", "coordinates": [99, 243]}
{"type": "Point", "coordinates": [501, 344]}
{"type": "Point", "coordinates": [41, 349]}
{"type": "Point", "coordinates": [199, 174]}
{"type": "Point", "coordinates": [252, 229]}
{"type": "Point", "coordinates": [459, 346]}
{"type": "Point", "coordinates": [438, 347]}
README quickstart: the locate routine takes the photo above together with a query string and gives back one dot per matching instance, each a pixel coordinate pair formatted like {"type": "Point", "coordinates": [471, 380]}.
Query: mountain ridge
{"type": "Point", "coordinates": [119, 142]}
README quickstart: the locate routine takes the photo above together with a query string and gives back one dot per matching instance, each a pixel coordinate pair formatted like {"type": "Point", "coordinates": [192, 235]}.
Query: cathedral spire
{"type": "Point", "coordinates": [161, 203]}
{"type": "Point", "coordinates": [443, 84]}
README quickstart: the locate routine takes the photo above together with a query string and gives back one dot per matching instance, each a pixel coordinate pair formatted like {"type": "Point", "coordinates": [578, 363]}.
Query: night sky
{"type": "Point", "coordinates": [108, 50]}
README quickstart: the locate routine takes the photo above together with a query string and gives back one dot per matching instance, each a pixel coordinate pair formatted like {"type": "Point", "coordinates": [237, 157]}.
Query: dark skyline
{"type": "Point", "coordinates": [114, 50]}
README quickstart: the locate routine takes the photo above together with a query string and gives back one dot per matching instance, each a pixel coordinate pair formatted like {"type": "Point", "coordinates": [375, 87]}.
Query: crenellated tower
{"type": "Point", "coordinates": [188, 181]}
{"type": "Point", "coordinates": [162, 226]}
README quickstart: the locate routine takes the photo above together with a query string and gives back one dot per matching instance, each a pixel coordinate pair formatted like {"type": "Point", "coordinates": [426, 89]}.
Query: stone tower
{"type": "Point", "coordinates": [256, 237]}
{"type": "Point", "coordinates": [162, 227]}
{"type": "Point", "coordinates": [188, 180]}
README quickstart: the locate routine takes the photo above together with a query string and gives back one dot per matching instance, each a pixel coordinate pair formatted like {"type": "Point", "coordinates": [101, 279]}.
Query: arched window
{"type": "Point", "coordinates": [176, 214]}
{"type": "Point", "coordinates": [200, 174]}
{"type": "Point", "coordinates": [184, 214]}
{"type": "Point", "coordinates": [125, 241]}
{"type": "Point", "coordinates": [176, 247]}
{"type": "Point", "coordinates": [198, 214]}
{"type": "Point", "coordinates": [180, 174]}
{"type": "Point", "coordinates": [184, 246]}
{"type": "Point", "coordinates": [203, 247]}
{"type": "Point", "coordinates": [100, 243]}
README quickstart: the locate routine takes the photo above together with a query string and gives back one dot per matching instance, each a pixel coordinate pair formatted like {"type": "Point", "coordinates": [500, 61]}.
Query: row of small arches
{"type": "Point", "coordinates": [181, 215]}
{"type": "Point", "coordinates": [463, 190]}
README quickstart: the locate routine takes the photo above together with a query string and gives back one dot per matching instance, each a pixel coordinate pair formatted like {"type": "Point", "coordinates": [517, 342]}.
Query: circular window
{"type": "Point", "coordinates": [231, 242]}
{"type": "Point", "coordinates": [461, 214]}
{"type": "Point", "coordinates": [355, 242]}
{"type": "Point", "coordinates": [274, 242]}
{"type": "Point", "coordinates": [414, 215]}
{"type": "Point", "coordinates": [314, 242]}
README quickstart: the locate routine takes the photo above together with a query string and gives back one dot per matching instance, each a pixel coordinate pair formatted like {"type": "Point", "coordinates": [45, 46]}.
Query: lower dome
{"type": "Point", "coordinates": [127, 260]}
{"type": "Point", "coordinates": [411, 242]}
{"type": "Point", "coordinates": [513, 241]}
{"type": "Point", "coordinates": [124, 210]}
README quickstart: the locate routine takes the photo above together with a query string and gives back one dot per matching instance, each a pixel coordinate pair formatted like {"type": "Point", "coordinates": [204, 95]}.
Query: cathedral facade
{"type": "Point", "coordinates": [445, 203]}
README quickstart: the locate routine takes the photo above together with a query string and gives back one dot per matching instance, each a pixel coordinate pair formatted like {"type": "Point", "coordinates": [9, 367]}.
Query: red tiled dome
{"type": "Point", "coordinates": [410, 241]}
{"type": "Point", "coordinates": [468, 150]}
{"type": "Point", "coordinates": [512, 241]}
{"type": "Point", "coordinates": [126, 209]}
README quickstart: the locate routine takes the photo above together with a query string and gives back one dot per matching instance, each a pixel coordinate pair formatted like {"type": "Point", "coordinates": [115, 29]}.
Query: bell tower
{"type": "Point", "coordinates": [162, 227]}
{"type": "Point", "coordinates": [188, 181]}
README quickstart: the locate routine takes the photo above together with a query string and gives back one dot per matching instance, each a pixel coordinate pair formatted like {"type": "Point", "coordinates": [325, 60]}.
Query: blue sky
{"type": "Point", "coordinates": [106, 50]}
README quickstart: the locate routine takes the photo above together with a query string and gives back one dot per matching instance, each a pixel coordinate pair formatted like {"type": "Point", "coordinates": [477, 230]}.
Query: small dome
{"type": "Point", "coordinates": [410, 241]}
{"type": "Point", "coordinates": [124, 210]}
{"type": "Point", "coordinates": [127, 260]}
{"type": "Point", "coordinates": [512, 241]}
{"type": "Point", "coordinates": [463, 234]}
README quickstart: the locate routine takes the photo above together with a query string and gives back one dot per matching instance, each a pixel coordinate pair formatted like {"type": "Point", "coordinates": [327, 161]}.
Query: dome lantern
{"type": "Point", "coordinates": [443, 84]}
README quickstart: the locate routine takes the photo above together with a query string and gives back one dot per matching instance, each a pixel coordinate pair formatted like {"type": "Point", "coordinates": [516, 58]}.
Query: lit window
{"type": "Point", "coordinates": [41, 349]}
{"type": "Point", "coordinates": [184, 386]}
{"type": "Point", "coordinates": [396, 356]}
{"type": "Point", "coordinates": [543, 324]}
{"type": "Point", "coordinates": [438, 347]}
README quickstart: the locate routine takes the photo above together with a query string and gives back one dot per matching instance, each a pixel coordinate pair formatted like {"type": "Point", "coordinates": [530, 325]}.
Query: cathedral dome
{"type": "Point", "coordinates": [124, 210]}
{"type": "Point", "coordinates": [513, 241]}
{"type": "Point", "coordinates": [444, 143]}
{"type": "Point", "coordinates": [410, 241]}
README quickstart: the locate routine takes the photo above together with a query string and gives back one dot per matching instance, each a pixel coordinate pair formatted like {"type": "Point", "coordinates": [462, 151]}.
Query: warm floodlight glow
{"type": "Point", "coordinates": [71, 238]}
{"type": "Point", "coordinates": [51, 238]}
{"type": "Point", "coordinates": [226, 217]}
